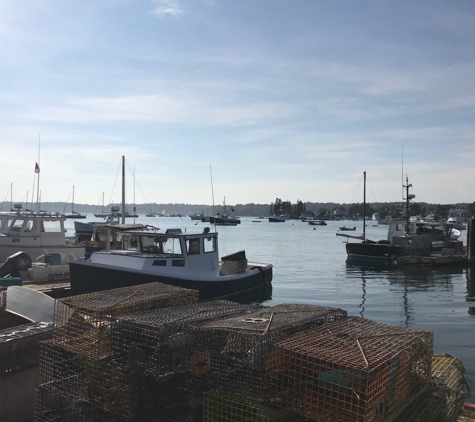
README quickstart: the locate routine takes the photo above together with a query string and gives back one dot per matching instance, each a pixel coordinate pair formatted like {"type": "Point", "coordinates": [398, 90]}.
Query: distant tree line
{"type": "Point", "coordinates": [294, 210]}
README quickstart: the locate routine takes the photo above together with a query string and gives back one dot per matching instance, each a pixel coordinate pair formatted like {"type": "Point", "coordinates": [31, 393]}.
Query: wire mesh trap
{"type": "Point", "coordinates": [19, 346]}
{"type": "Point", "coordinates": [443, 400]}
{"type": "Point", "coordinates": [153, 342]}
{"type": "Point", "coordinates": [232, 353]}
{"type": "Point", "coordinates": [222, 406]}
{"type": "Point", "coordinates": [83, 322]}
{"type": "Point", "coordinates": [3, 300]}
{"type": "Point", "coordinates": [61, 371]}
{"type": "Point", "coordinates": [352, 370]}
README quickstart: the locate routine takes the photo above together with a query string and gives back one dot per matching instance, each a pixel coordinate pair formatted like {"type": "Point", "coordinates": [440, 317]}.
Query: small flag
{"type": "Point", "coordinates": [37, 168]}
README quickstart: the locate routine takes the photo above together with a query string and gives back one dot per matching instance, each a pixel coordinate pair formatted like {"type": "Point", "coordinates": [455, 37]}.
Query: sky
{"type": "Point", "coordinates": [244, 101]}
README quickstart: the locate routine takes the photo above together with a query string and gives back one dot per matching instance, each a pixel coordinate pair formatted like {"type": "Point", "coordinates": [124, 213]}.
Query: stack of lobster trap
{"type": "Point", "coordinates": [3, 300]}
{"type": "Point", "coordinates": [153, 353]}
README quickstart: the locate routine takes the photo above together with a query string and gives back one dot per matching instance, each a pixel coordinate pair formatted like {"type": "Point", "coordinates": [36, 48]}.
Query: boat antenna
{"type": "Point", "coordinates": [364, 208]}
{"type": "Point", "coordinates": [37, 171]}
{"type": "Point", "coordinates": [408, 199]}
{"type": "Point", "coordinates": [212, 195]}
{"type": "Point", "coordinates": [402, 169]}
{"type": "Point", "coordinates": [134, 196]}
{"type": "Point", "coordinates": [122, 218]}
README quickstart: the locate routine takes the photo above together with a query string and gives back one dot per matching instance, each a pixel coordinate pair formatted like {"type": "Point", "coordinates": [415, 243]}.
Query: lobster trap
{"type": "Point", "coordinates": [3, 300]}
{"type": "Point", "coordinates": [444, 399]}
{"type": "Point", "coordinates": [52, 407]}
{"type": "Point", "coordinates": [83, 323]}
{"type": "Point", "coordinates": [153, 342]}
{"type": "Point", "coordinates": [232, 354]}
{"type": "Point", "coordinates": [61, 371]}
{"type": "Point", "coordinates": [354, 370]}
{"type": "Point", "coordinates": [222, 406]}
{"type": "Point", "coordinates": [115, 389]}
{"type": "Point", "coordinates": [19, 346]}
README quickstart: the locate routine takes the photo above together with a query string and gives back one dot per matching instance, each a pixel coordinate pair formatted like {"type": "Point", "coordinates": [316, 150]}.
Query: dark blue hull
{"type": "Point", "coordinates": [88, 278]}
{"type": "Point", "coordinates": [372, 251]}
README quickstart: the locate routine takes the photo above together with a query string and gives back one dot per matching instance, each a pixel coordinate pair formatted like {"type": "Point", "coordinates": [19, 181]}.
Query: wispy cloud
{"type": "Point", "coordinates": [166, 7]}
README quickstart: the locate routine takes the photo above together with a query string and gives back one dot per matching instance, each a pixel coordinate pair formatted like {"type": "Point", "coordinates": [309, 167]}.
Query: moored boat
{"type": "Point", "coordinates": [35, 234]}
{"type": "Point", "coordinates": [171, 257]}
{"type": "Point", "coordinates": [278, 218]}
{"type": "Point", "coordinates": [408, 240]}
{"type": "Point", "coordinates": [317, 222]}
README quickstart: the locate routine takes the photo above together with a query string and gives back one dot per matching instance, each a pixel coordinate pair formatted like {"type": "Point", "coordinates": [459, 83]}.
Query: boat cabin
{"type": "Point", "coordinates": [432, 235]}
{"type": "Point", "coordinates": [156, 249]}
{"type": "Point", "coordinates": [47, 227]}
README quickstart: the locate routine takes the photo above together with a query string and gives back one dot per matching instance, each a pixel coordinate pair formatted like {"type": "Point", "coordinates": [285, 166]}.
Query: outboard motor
{"type": "Point", "coordinates": [15, 263]}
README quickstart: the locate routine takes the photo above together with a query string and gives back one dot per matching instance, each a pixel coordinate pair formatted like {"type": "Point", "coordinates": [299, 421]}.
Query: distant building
{"type": "Point", "coordinates": [339, 213]}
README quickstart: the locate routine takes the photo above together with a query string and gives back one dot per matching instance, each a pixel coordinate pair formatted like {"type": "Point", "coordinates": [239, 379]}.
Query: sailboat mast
{"type": "Point", "coordinates": [364, 207]}
{"type": "Point", "coordinates": [122, 213]}
{"type": "Point", "coordinates": [38, 186]}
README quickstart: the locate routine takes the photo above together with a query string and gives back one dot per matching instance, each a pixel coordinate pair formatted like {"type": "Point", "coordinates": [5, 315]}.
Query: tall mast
{"type": "Point", "coordinates": [122, 213]}
{"type": "Point", "coordinates": [38, 185]}
{"type": "Point", "coordinates": [364, 207]}
{"type": "Point", "coordinates": [408, 198]}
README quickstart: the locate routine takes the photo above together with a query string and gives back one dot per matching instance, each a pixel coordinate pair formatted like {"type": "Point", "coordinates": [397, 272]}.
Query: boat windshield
{"type": "Point", "coordinates": [434, 231]}
{"type": "Point", "coordinates": [160, 244]}
{"type": "Point", "coordinates": [209, 244]}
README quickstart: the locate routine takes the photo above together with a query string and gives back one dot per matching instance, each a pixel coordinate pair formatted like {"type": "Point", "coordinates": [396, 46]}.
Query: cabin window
{"type": "Point", "coordinates": [51, 226]}
{"type": "Point", "coordinates": [193, 246]}
{"type": "Point", "coordinates": [178, 263]}
{"type": "Point", "coordinates": [150, 244]}
{"type": "Point", "coordinates": [17, 225]}
{"type": "Point", "coordinates": [210, 244]}
{"type": "Point", "coordinates": [131, 243]}
{"type": "Point", "coordinates": [171, 245]}
{"type": "Point", "coordinates": [159, 263]}
{"type": "Point", "coordinates": [29, 226]}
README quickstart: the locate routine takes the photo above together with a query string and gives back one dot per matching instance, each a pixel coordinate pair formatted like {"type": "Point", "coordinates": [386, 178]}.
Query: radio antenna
{"type": "Point", "coordinates": [212, 195]}
{"type": "Point", "coordinates": [402, 169]}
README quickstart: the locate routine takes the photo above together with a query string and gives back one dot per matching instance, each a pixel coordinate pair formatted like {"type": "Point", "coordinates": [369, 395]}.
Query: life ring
{"type": "Point", "coordinates": [200, 363]}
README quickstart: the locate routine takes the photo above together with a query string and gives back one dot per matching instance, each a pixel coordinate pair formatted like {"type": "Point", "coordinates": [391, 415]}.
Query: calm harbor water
{"type": "Point", "coordinates": [310, 267]}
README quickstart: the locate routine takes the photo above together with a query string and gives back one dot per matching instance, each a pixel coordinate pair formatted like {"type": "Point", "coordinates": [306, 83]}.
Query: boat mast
{"type": "Point", "coordinates": [122, 218]}
{"type": "Point", "coordinates": [408, 199]}
{"type": "Point", "coordinates": [364, 208]}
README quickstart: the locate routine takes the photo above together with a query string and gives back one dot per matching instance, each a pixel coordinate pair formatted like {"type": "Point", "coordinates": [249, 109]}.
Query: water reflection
{"type": "Point", "coordinates": [406, 281]}
{"type": "Point", "coordinates": [257, 295]}
{"type": "Point", "coordinates": [363, 288]}
{"type": "Point", "coordinates": [471, 288]}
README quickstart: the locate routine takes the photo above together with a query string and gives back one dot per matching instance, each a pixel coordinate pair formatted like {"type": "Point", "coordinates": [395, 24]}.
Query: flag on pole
{"type": "Point", "coordinates": [37, 168]}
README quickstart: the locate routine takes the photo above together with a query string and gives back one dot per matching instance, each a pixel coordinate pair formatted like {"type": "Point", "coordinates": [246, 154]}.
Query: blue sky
{"type": "Point", "coordinates": [284, 98]}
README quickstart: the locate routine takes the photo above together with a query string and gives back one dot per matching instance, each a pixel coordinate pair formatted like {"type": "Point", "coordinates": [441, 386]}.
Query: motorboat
{"type": "Point", "coordinates": [343, 228]}
{"type": "Point", "coordinates": [222, 219]}
{"type": "Point", "coordinates": [456, 223]}
{"type": "Point", "coordinates": [317, 222]}
{"type": "Point", "coordinates": [278, 218]}
{"type": "Point", "coordinates": [84, 230]}
{"type": "Point", "coordinates": [120, 258]}
{"type": "Point", "coordinates": [35, 234]}
{"type": "Point", "coordinates": [38, 245]}
{"type": "Point", "coordinates": [121, 255]}
{"type": "Point", "coordinates": [405, 237]}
